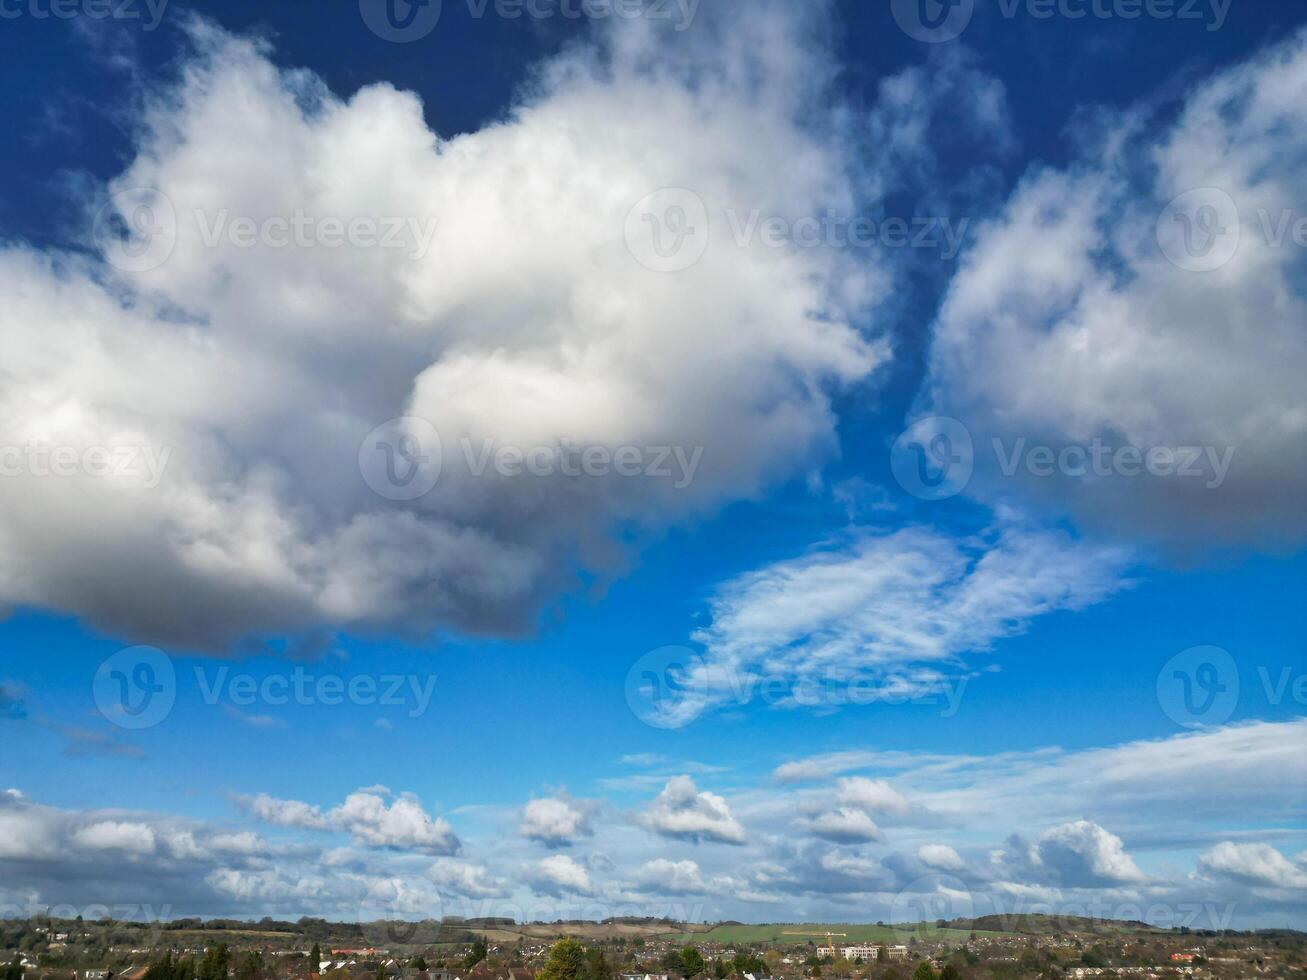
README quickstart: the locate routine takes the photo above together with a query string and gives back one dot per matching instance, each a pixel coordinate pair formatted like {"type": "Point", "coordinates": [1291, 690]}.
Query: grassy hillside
{"type": "Point", "coordinates": [857, 933]}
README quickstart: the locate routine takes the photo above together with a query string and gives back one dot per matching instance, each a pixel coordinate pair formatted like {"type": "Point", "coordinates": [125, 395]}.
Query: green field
{"type": "Point", "coordinates": [857, 933]}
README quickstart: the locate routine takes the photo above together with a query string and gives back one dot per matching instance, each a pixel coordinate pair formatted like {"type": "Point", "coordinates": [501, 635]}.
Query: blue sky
{"type": "Point", "coordinates": [1020, 635]}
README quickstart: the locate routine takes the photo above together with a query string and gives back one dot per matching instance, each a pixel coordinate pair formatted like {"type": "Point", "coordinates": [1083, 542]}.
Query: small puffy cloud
{"type": "Point", "coordinates": [245, 842]}
{"type": "Point", "coordinates": [1253, 864]}
{"type": "Point", "coordinates": [671, 877]}
{"type": "Point", "coordinates": [846, 818]}
{"type": "Point", "coordinates": [465, 878]}
{"type": "Point", "coordinates": [844, 825]}
{"type": "Point", "coordinates": [803, 771]}
{"type": "Point", "coordinates": [559, 874]}
{"type": "Point", "coordinates": [555, 821]}
{"type": "Point", "coordinates": [871, 795]}
{"type": "Point", "coordinates": [681, 811]}
{"type": "Point", "coordinates": [402, 824]}
{"type": "Point", "coordinates": [267, 886]}
{"type": "Point", "coordinates": [366, 815]}
{"type": "Point", "coordinates": [940, 856]}
{"type": "Point", "coordinates": [284, 813]}
{"type": "Point", "coordinates": [1084, 853]}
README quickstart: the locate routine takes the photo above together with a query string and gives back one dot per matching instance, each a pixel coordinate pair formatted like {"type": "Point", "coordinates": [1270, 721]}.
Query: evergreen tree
{"type": "Point", "coordinates": [565, 961]}
{"type": "Point", "coordinates": [691, 962]}
{"type": "Point", "coordinates": [215, 963]}
{"type": "Point", "coordinates": [597, 966]}
{"type": "Point", "coordinates": [476, 955]}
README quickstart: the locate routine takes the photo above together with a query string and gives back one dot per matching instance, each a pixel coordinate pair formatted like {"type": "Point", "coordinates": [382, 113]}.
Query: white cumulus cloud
{"type": "Point", "coordinates": [682, 811]}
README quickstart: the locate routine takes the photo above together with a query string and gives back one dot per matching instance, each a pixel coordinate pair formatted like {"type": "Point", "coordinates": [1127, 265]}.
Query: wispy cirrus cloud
{"type": "Point", "coordinates": [903, 608]}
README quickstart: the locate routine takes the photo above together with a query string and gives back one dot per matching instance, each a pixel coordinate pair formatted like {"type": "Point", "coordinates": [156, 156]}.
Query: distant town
{"type": "Point", "coordinates": [1015, 948]}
